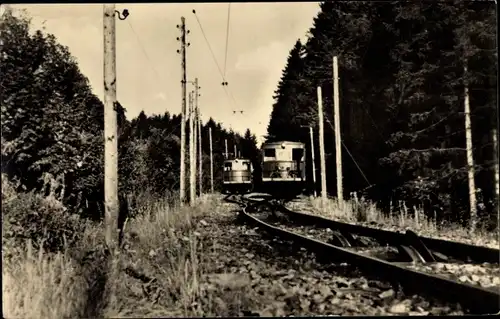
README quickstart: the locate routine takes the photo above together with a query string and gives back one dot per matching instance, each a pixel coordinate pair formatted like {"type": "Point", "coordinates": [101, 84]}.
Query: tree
{"type": "Point", "coordinates": [426, 157]}
{"type": "Point", "coordinates": [401, 97]}
{"type": "Point", "coordinates": [288, 97]}
{"type": "Point", "coordinates": [50, 119]}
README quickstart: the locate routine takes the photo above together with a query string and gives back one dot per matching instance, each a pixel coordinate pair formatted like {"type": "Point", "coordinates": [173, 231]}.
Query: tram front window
{"type": "Point", "coordinates": [270, 152]}
{"type": "Point", "coordinates": [297, 154]}
{"type": "Point", "coordinates": [246, 165]}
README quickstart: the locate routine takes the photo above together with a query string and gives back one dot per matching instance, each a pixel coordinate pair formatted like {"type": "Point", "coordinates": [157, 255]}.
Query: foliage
{"type": "Point", "coordinates": [52, 178]}
{"type": "Point", "coordinates": [288, 100]}
{"type": "Point", "coordinates": [51, 121]}
{"type": "Point", "coordinates": [401, 69]}
{"type": "Point", "coordinates": [52, 128]}
{"type": "Point", "coordinates": [150, 157]}
{"type": "Point", "coordinates": [249, 150]}
{"type": "Point", "coordinates": [28, 216]}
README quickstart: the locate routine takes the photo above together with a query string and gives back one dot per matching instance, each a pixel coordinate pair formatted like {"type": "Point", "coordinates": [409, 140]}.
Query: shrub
{"type": "Point", "coordinates": [43, 220]}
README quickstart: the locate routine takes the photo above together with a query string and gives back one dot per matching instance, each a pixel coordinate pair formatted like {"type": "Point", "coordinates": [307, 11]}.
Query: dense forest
{"type": "Point", "coordinates": [52, 129]}
{"type": "Point", "coordinates": [403, 71]}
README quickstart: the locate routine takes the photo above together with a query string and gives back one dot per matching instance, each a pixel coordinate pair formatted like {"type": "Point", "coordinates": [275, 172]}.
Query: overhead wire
{"type": "Point", "coordinates": [150, 64]}
{"type": "Point", "coordinates": [144, 52]}
{"type": "Point", "coordinates": [352, 157]}
{"type": "Point", "coordinates": [226, 90]}
{"type": "Point", "coordinates": [227, 36]}
{"type": "Point", "coordinates": [321, 68]}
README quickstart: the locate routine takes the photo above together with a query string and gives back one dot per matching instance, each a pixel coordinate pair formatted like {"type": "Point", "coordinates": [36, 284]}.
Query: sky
{"type": "Point", "coordinates": [260, 38]}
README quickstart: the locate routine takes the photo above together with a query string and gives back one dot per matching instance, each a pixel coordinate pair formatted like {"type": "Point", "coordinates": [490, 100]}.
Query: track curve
{"type": "Point", "coordinates": [476, 299]}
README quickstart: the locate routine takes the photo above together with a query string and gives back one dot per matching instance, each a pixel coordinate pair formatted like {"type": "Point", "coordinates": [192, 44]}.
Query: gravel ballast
{"type": "Point", "coordinates": [272, 280]}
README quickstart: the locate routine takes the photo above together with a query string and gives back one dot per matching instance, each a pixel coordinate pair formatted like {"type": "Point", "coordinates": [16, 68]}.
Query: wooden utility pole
{"type": "Point", "coordinates": [200, 157]}
{"type": "Point", "coordinates": [194, 135]}
{"type": "Point", "coordinates": [211, 162]}
{"type": "Point", "coordinates": [192, 160]}
{"type": "Point", "coordinates": [182, 51]}
{"type": "Point", "coordinates": [470, 158]}
{"type": "Point", "coordinates": [235, 151]}
{"type": "Point", "coordinates": [225, 144]}
{"type": "Point", "coordinates": [321, 146]}
{"type": "Point", "coordinates": [336, 117]}
{"type": "Point", "coordinates": [110, 129]}
{"type": "Point", "coordinates": [496, 170]}
{"type": "Point", "coordinates": [197, 133]}
{"type": "Point", "coordinates": [312, 160]}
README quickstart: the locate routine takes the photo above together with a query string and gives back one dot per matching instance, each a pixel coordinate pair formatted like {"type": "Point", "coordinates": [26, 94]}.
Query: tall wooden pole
{"type": "Point", "coordinates": [470, 158]}
{"type": "Point", "coordinates": [235, 150]}
{"type": "Point", "coordinates": [195, 130]}
{"type": "Point", "coordinates": [336, 117]}
{"type": "Point", "coordinates": [312, 160]}
{"type": "Point", "coordinates": [110, 129]}
{"type": "Point", "coordinates": [321, 146]}
{"type": "Point", "coordinates": [200, 155]}
{"type": "Point", "coordinates": [496, 170]}
{"type": "Point", "coordinates": [192, 160]}
{"type": "Point", "coordinates": [182, 191]}
{"type": "Point", "coordinates": [211, 162]}
{"type": "Point", "coordinates": [225, 144]}
{"type": "Point", "coordinates": [194, 135]}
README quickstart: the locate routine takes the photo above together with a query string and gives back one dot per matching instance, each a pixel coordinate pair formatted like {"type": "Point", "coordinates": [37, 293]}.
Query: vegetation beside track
{"type": "Point", "coordinates": [157, 273]}
{"type": "Point", "coordinates": [366, 213]}
{"type": "Point", "coordinates": [185, 262]}
{"type": "Point", "coordinates": [282, 226]}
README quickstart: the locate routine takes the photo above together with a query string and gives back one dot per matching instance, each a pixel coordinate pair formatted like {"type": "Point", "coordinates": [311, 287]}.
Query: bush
{"type": "Point", "coordinates": [43, 220]}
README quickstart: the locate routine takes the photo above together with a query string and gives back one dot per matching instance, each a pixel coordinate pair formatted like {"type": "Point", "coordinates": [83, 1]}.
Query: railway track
{"type": "Point", "coordinates": [343, 242]}
{"type": "Point", "coordinates": [430, 249]}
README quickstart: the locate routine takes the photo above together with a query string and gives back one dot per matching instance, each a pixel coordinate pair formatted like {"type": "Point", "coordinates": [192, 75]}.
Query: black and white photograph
{"type": "Point", "coordinates": [249, 159]}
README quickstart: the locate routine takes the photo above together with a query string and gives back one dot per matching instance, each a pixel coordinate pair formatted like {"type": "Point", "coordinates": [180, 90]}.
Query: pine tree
{"type": "Point", "coordinates": [401, 96]}
{"type": "Point", "coordinates": [284, 124]}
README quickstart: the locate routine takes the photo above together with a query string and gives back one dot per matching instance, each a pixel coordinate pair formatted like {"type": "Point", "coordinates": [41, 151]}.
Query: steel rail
{"type": "Point", "coordinates": [458, 250]}
{"type": "Point", "coordinates": [477, 300]}
{"type": "Point", "coordinates": [454, 249]}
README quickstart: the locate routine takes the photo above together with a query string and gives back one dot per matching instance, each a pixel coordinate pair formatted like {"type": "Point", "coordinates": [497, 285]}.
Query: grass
{"type": "Point", "coordinates": [165, 267]}
{"type": "Point", "coordinates": [39, 285]}
{"type": "Point", "coordinates": [414, 218]}
{"type": "Point", "coordinates": [161, 250]}
{"type": "Point", "coordinates": [157, 273]}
